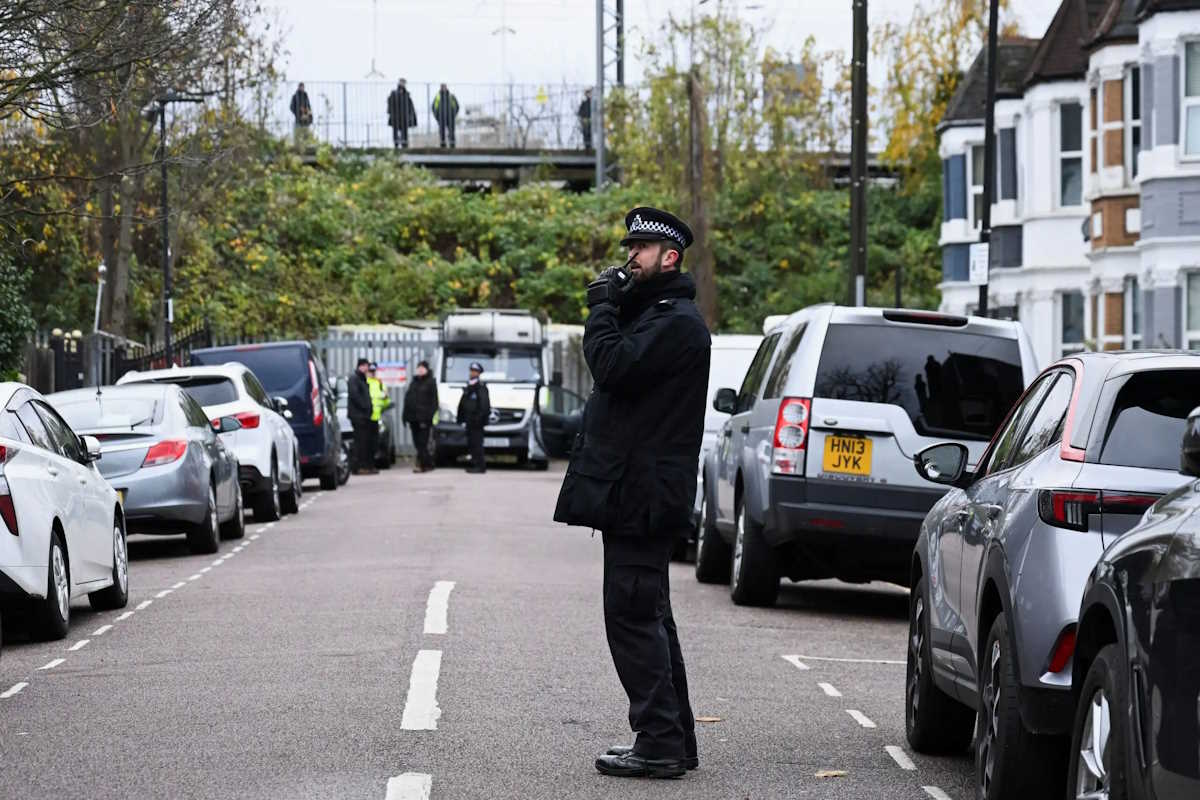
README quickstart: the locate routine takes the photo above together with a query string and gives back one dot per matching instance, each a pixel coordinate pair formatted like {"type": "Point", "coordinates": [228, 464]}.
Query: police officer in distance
{"type": "Point", "coordinates": [633, 476]}
{"type": "Point", "coordinates": [474, 408]}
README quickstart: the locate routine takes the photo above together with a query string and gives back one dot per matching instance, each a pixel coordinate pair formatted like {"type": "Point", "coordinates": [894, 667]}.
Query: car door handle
{"type": "Point", "coordinates": [745, 429]}
{"type": "Point", "coordinates": [727, 432]}
{"type": "Point", "coordinates": [53, 471]}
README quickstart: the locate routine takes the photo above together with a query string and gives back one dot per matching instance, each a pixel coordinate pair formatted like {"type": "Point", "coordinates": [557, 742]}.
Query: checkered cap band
{"type": "Point", "coordinates": [639, 225]}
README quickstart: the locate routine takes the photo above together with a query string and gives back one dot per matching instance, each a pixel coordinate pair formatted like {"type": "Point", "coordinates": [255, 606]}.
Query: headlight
{"type": "Point", "coordinates": [445, 414]}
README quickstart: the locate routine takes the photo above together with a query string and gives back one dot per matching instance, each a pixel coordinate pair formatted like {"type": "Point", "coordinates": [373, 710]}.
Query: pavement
{"type": "Point", "coordinates": [438, 636]}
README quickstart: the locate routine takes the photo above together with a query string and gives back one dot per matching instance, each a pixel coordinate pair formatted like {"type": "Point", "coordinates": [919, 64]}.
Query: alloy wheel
{"type": "Point", "coordinates": [738, 543]}
{"type": "Point", "coordinates": [275, 489]}
{"type": "Point", "coordinates": [703, 524]}
{"type": "Point", "coordinates": [120, 559]}
{"type": "Point", "coordinates": [213, 523]}
{"type": "Point", "coordinates": [62, 588]}
{"type": "Point", "coordinates": [916, 643]}
{"type": "Point", "coordinates": [989, 721]}
{"type": "Point", "coordinates": [1093, 778]}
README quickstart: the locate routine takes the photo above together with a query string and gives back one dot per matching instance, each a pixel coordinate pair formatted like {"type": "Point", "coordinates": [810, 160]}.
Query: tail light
{"type": "Point", "coordinates": [8, 512]}
{"type": "Point", "coordinates": [318, 414]}
{"type": "Point", "coordinates": [791, 436]}
{"type": "Point", "coordinates": [1064, 648]}
{"type": "Point", "coordinates": [165, 452]}
{"type": "Point", "coordinates": [248, 419]}
{"type": "Point", "coordinates": [1069, 508]}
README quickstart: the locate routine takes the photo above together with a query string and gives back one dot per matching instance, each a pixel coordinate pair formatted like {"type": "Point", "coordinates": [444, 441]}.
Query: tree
{"type": "Point", "coordinates": [16, 323]}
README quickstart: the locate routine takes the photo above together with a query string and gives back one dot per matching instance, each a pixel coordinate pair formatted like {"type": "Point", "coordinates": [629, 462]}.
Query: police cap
{"type": "Point", "coordinates": [647, 224]}
{"type": "Point", "coordinates": [476, 367]}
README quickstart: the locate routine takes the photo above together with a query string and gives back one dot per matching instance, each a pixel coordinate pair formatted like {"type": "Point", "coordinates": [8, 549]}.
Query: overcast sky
{"type": "Point", "coordinates": [549, 41]}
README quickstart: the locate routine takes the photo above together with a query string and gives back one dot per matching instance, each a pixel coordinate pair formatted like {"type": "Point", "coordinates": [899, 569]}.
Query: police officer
{"type": "Point", "coordinates": [359, 411]}
{"type": "Point", "coordinates": [474, 408]}
{"type": "Point", "coordinates": [633, 476]}
{"type": "Point", "coordinates": [380, 402]}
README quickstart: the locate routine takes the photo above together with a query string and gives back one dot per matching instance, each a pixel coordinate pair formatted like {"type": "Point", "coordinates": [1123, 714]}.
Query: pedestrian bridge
{"type": "Point", "coordinates": [500, 168]}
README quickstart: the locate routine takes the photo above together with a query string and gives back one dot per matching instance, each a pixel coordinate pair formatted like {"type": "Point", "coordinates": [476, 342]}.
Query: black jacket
{"type": "Point", "coordinates": [633, 470]}
{"type": "Point", "coordinates": [420, 400]}
{"type": "Point", "coordinates": [474, 406]}
{"type": "Point", "coordinates": [401, 111]}
{"type": "Point", "coordinates": [359, 401]}
{"type": "Point", "coordinates": [300, 107]}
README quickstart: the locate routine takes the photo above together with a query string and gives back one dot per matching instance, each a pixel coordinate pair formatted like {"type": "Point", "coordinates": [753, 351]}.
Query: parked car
{"type": "Point", "coordinates": [267, 450]}
{"type": "Point", "coordinates": [293, 371]}
{"type": "Point", "coordinates": [63, 527]}
{"type": "Point", "coordinates": [812, 474]}
{"type": "Point", "coordinates": [385, 452]}
{"type": "Point", "coordinates": [162, 455]}
{"type": "Point", "coordinates": [1001, 562]}
{"type": "Point", "coordinates": [1136, 676]}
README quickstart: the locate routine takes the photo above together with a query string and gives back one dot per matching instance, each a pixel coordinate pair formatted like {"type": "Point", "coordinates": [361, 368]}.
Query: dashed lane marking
{"type": "Point", "coordinates": [13, 690]}
{"type": "Point", "coordinates": [179, 585]}
{"type": "Point", "coordinates": [142, 606]}
{"type": "Point", "coordinates": [82, 643]}
{"type": "Point", "coordinates": [196, 577]}
{"type": "Point", "coordinates": [409, 786]}
{"type": "Point", "coordinates": [255, 536]}
{"type": "Point", "coordinates": [935, 793]}
{"type": "Point", "coordinates": [52, 664]}
{"type": "Point", "coordinates": [257, 531]}
{"type": "Point", "coordinates": [217, 563]}
{"type": "Point", "coordinates": [796, 661]}
{"type": "Point", "coordinates": [828, 689]}
{"type": "Point", "coordinates": [849, 660]}
{"type": "Point", "coordinates": [103, 629]}
{"type": "Point", "coordinates": [861, 718]}
{"type": "Point", "coordinates": [421, 710]}
{"type": "Point", "coordinates": [205, 569]}
{"type": "Point", "coordinates": [900, 757]}
{"type": "Point", "coordinates": [437, 606]}
{"type": "Point", "coordinates": [163, 594]}
{"type": "Point", "coordinates": [126, 615]}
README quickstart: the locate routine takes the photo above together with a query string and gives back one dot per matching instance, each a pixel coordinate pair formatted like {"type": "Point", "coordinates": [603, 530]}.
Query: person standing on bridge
{"type": "Point", "coordinates": [632, 475]}
{"type": "Point", "coordinates": [301, 110]}
{"type": "Point", "coordinates": [585, 118]}
{"type": "Point", "coordinates": [445, 111]}
{"type": "Point", "coordinates": [402, 114]}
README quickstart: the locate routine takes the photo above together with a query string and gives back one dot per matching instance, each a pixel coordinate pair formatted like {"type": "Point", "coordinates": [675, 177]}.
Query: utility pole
{"type": "Point", "coordinates": [989, 149]}
{"type": "Point", "coordinates": [168, 288]}
{"type": "Point", "coordinates": [605, 50]}
{"type": "Point", "coordinates": [702, 267]}
{"type": "Point", "coordinates": [858, 160]}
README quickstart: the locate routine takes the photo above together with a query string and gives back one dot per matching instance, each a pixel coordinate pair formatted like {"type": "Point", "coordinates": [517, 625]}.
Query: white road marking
{"type": "Point", "coordinates": [409, 786]}
{"type": "Point", "coordinates": [860, 718]}
{"type": "Point", "coordinates": [52, 664]}
{"type": "Point", "coordinates": [196, 577]}
{"type": "Point", "coordinates": [239, 548]}
{"type": "Point", "coordinates": [900, 757]}
{"type": "Point", "coordinates": [436, 607]}
{"type": "Point", "coordinates": [217, 563]}
{"type": "Point", "coordinates": [125, 616]}
{"type": "Point", "coordinates": [205, 569]}
{"type": "Point", "coordinates": [796, 660]}
{"type": "Point", "coordinates": [179, 585]}
{"type": "Point", "coordinates": [163, 593]}
{"type": "Point", "coordinates": [12, 690]}
{"type": "Point", "coordinates": [103, 629]}
{"type": "Point", "coordinates": [142, 606]}
{"type": "Point", "coordinates": [935, 793]}
{"type": "Point", "coordinates": [421, 710]}
{"type": "Point", "coordinates": [828, 689]}
{"type": "Point", "coordinates": [255, 536]}
{"type": "Point", "coordinates": [82, 643]}
{"type": "Point", "coordinates": [259, 530]}
{"type": "Point", "coordinates": [849, 660]}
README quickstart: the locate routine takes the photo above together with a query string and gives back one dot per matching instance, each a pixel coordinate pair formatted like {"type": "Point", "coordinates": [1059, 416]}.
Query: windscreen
{"type": "Point", "coordinates": [500, 364]}
{"type": "Point", "coordinates": [279, 369]}
{"type": "Point", "coordinates": [208, 391]}
{"type": "Point", "coordinates": [951, 384]}
{"type": "Point", "coordinates": [94, 413]}
{"type": "Point", "coordinates": [727, 368]}
{"type": "Point", "coordinates": [1147, 421]}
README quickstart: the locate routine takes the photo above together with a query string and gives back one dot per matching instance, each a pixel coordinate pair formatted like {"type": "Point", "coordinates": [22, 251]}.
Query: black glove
{"type": "Point", "coordinates": [610, 287]}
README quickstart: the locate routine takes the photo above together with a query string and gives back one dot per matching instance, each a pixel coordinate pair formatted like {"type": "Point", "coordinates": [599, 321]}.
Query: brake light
{"type": "Point", "coordinates": [1064, 648]}
{"type": "Point", "coordinates": [1069, 508]}
{"type": "Point", "coordinates": [791, 436]}
{"type": "Point", "coordinates": [248, 419]}
{"type": "Point", "coordinates": [1127, 502]}
{"type": "Point", "coordinates": [8, 512]}
{"type": "Point", "coordinates": [317, 414]}
{"type": "Point", "coordinates": [165, 452]}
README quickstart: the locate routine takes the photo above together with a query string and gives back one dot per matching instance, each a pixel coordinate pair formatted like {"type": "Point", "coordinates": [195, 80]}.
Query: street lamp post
{"type": "Point", "coordinates": [989, 150]}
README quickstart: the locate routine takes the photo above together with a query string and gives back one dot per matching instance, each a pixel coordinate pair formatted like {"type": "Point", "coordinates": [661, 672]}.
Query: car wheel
{"type": "Point", "coordinates": [1010, 761]}
{"type": "Point", "coordinates": [289, 499]}
{"type": "Point", "coordinates": [934, 721]}
{"type": "Point", "coordinates": [1097, 763]}
{"type": "Point", "coordinates": [53, 614]}
{"type": "Point", "coordinates": [266, 504]}
{"type": "Point", "coordinates": [235, 526]}
{"type": "Point", "coordinates": [117, 595]}
{"type": "Point", "coordinates": [338, 473]}
{"type": "Point", "coordinates": [713, 553]}
{"type": "Point", "coordinates": [753, 579]}
{"type": "Point", "coordinates": [205, 537]}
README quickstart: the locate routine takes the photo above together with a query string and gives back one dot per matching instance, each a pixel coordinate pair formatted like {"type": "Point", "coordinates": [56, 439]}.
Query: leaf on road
{"type": "Point", "coordinates": [831, 773]}
{"type": "Point", "coordinates": [709, 719]}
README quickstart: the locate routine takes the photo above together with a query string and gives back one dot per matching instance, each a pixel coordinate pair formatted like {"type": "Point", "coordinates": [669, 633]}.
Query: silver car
{"type": "Point", "coordinates": [1001, 560]}
{"type": "Point", "coordinates": [161, 453]}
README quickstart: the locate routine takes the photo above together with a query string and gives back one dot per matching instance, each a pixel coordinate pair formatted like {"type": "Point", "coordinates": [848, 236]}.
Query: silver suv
{"type": "Point", "coordinates": [1002, 559]}
{"type": "Point", "coordinates": [812, 475]}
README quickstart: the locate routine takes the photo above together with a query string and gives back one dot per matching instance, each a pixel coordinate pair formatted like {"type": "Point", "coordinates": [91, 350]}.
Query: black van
{"type": "Point", "coordinates": [293, 371]}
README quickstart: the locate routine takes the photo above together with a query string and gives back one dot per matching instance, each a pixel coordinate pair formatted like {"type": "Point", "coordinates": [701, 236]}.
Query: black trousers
{"type": "Point", "coordinates": [475, 446]}
{"type": "Point", "coordinates": [400, 137]}
{"type": "Point", "coordinates": [373, 443]}
{"type": "Point", "coordinates": [420, 434]}
{"type": "Point", "coordinates": [362, 457]}
{"type": "Point", "coordinates": [645, 645]}
{"type": "Point", "coordinates": [445, 128]}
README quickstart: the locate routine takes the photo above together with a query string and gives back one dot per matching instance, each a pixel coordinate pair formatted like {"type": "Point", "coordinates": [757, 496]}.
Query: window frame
{"type": "Point", "coordinates": [1019, 455]}
{"type": "Point", "coordinates": [747, 395]}
{"type": "Point", "coordinates": [993, 460]}
{"type": "Point", "coordinates": [973, 221]}
{"type": "Point", "coordinates": [1070, 348]}
{"type": "Point", "coordinates": [1191, 335]}
{"type": "Point", "coordinates": [70, 448]}
{"type": "Point", "coordinates": [1186, 102]}
{"type": "Point", "coordinates": [776, 382]}
{"type": "Point", "coordinates": [1061, 155]}
{"type": "Point", "coordinates": [1131, 119]}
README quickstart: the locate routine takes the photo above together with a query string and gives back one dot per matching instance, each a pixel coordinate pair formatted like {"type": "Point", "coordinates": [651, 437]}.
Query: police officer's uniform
{"type": "Point", "coordinates": [633, 477]}
{"type": "Point", "coordinates": [474, 408]}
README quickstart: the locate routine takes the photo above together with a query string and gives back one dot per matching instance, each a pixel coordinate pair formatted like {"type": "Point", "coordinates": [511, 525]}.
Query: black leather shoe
{"type": "Point", "coordinates": [631, 765]}
{"type": "Point", "coordinates": [691, 762]}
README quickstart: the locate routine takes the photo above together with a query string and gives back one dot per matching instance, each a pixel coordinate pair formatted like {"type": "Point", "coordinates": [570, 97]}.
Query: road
{"type": "Point", "coordinates": [309, 661]}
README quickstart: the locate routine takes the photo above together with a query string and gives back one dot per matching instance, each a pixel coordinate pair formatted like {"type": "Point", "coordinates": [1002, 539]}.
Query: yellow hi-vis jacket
{"type": "Point", "coordinates": [380, 400]}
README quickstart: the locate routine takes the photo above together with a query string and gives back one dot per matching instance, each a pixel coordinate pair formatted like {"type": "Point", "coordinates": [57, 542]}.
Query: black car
{"type": "Point", "coordinates": [293, 371]}
{"type": "Point", "coordinates": [1137, 655]}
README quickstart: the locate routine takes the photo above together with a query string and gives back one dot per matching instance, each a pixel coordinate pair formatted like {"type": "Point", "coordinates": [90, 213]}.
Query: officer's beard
{"type": "Point", "coordinates": [642, 274]}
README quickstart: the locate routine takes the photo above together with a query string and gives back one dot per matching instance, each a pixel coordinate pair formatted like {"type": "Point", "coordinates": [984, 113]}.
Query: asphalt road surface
{"type": "Point", "coordinates": [437, 635]}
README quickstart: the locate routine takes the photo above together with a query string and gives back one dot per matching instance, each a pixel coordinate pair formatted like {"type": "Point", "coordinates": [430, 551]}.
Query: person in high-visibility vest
{"type": "Point", "coordinates": [380, 401]}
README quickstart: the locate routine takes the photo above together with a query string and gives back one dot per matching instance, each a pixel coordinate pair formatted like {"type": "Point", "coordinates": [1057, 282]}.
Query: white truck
{"type": "Point", "coordinates": [529, 420]}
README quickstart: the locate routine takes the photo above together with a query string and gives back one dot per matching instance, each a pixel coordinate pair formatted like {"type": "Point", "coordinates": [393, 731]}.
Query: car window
{"type": "Point", "coordinates": [192, 412]}
{"type": "Point", "coordinates": [208, 390]}
{"type": "Point", "coordinates": [1006, 442]}
{"type": "Point", "coordinates": [282, 370]}
{"type": "Point", "coordinates": [10, 427]}
{"type": "Point", "coordinates": [34, 427]}
{"type": "Point", "coordinates": [64, 439]}
{"type": "Point", "coordinates": [1045, 429]}
{"type": "Point", "coordinates": [558, 400]}
{"type": "Point", "coordinates": [754, 375]}
{"type": "Point", "coordinates": [1148, 419]}
{"type": "Point", "coordinates": [255, 389]}
{"type": "Point", "coordinates": [784, 364]}
{"type": "Point", "coordinates": [952, 384]}
{"type": "Point", "coordinates": [115, 409]}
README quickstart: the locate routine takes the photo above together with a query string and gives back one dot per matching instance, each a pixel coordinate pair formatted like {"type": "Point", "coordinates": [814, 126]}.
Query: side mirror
{"type": "Point", "coordinates": [227, 425]}
{"type": "Point", "coordinates": [91, 448]}
{"type": "Point", "coordinates": [943, 463]}
{"type": "Point", "coordinates": [280, 403]}
{"type": "Point", "coordinates": [1189, 451]}
{"type": "Point", "coordinates": [725, 401]}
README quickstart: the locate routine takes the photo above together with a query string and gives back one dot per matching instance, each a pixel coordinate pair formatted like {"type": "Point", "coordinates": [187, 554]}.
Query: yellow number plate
{"type": "Point", "coordinates": [850, 455]}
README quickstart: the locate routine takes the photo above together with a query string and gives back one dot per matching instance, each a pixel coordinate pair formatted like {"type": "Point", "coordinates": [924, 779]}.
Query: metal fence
{"type": "Point", "coordinates": [353, 114]}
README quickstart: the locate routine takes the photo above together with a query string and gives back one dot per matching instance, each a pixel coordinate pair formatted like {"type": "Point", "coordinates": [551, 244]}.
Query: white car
{"type": "Point", "coordinates": [265, 446]}
{"type": "Point", "coordinates": [62, 530]}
